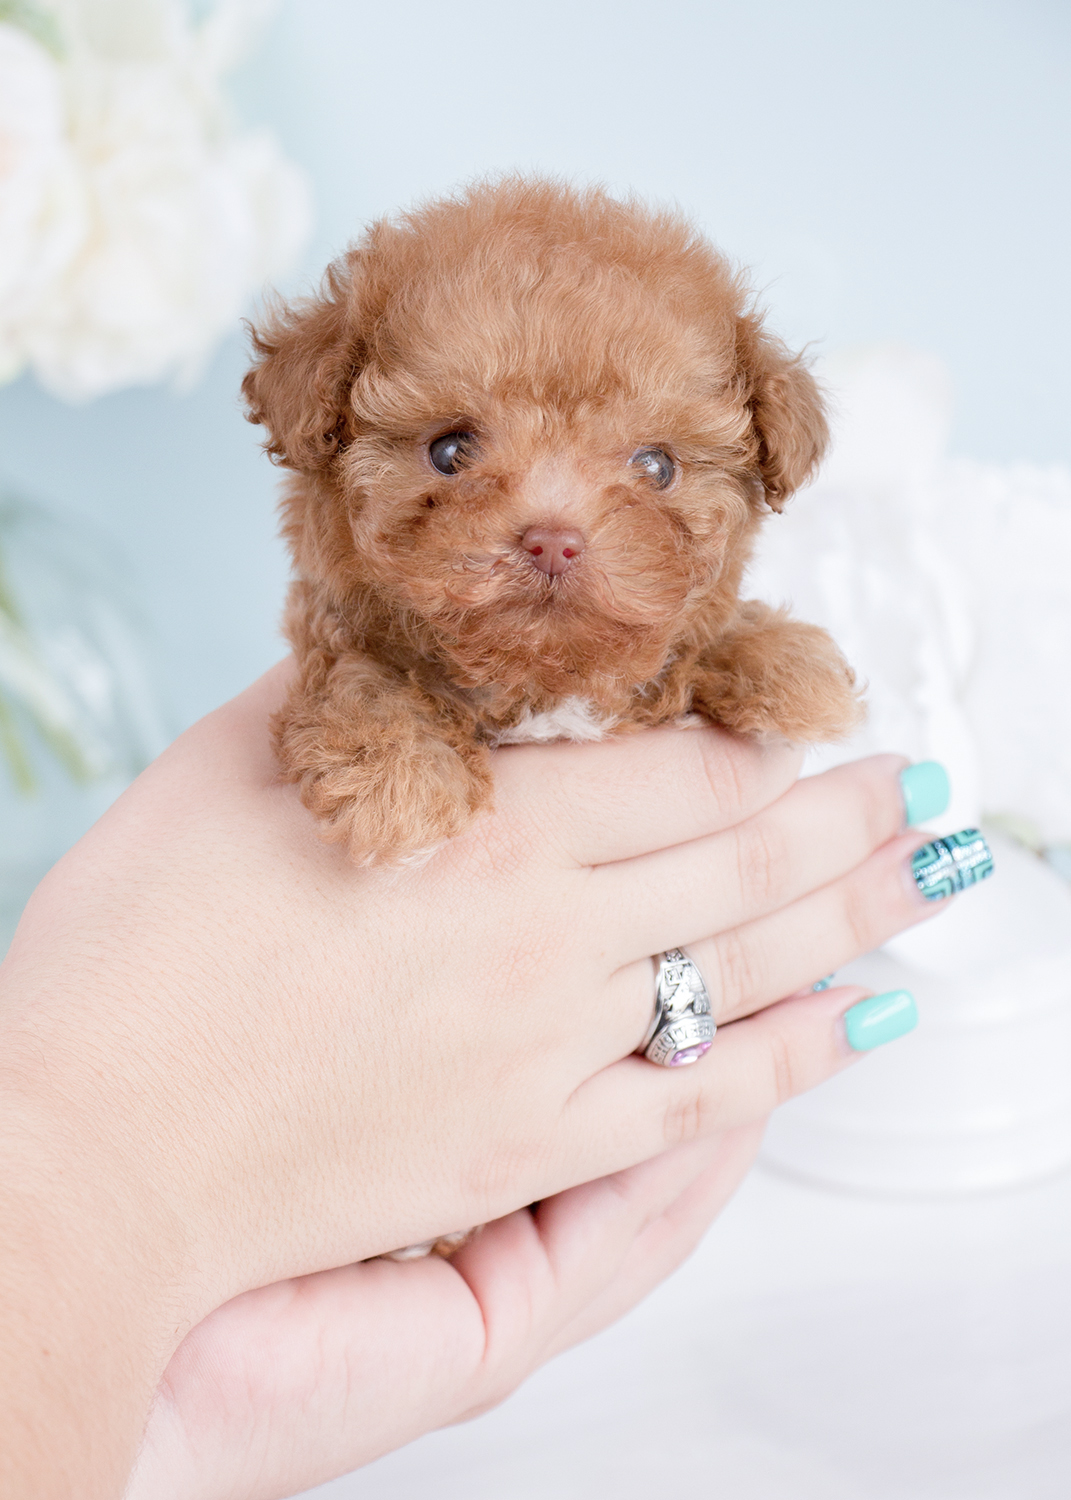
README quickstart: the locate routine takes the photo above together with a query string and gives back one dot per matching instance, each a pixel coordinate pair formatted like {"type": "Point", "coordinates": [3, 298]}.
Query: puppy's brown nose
{"type": "Point", "coordinates": [552, 548]}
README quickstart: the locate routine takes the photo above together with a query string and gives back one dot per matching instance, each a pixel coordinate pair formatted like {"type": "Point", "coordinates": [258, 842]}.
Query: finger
{"type": "Point", "coordinates": [820, 829]}
{"type": "Point", "coordinates": [633, 1110]}
{"type": "Point", "coordinates": [533, 1273]}
{"type": "Point", "coordinates": [666, 1242]}
{"type": "Point", "coordinates": [577, 1226]}
{"type": "Point", "coordinates": [634, 793]}
{"type": "Point", "coordinates": [761, 962]}
{"type": "Point", "coordinates": [293, 1384]}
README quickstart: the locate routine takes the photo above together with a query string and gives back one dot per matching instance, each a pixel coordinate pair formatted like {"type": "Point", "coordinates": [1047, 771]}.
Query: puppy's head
{"type": "Point", "coordinates": [539, 426]}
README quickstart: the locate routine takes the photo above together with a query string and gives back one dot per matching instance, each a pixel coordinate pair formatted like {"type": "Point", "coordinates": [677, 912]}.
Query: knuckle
{"type": "Point", "coordinates": [882, 804]}
{"type": "Point", "coordinates": [784, 1079]}
{"type": "Point", "coordinates": [685, 1118]}
{"type": "Point", "coordinates": [738, 975]}
{"type": "Point", "coordinates": [858, 917]}
{"type": "Point", "coordinates": [725, 771]}
{"type": "Point", "coordinates": [761, 859]}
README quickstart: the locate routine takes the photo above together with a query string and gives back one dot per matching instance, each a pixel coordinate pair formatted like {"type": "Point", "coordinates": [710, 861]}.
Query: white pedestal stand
{"type": "Point", "coordinates": [979, 1097]}
{"type": "Point", "coordinates": [832, 1345]}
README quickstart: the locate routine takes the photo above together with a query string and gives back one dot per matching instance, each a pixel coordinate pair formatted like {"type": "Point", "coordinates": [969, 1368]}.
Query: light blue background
{"type": "Point", "coordinates": [889, 171]}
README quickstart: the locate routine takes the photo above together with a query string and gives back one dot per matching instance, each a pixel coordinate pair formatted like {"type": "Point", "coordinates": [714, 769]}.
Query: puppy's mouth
{"type": "Point", "coordinates": [552, 603]}
{"type": "Point", "coordinates": [558, 579]}
{"type": "Point", "coordinates": [594, 621]}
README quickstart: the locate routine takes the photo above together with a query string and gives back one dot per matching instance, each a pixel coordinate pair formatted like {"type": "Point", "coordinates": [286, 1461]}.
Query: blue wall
{"type": "Point", "coordinates": [890, 171]}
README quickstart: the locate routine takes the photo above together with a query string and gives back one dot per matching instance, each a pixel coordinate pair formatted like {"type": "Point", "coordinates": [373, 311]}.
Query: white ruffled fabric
{"type": "Point", "coordinates": [136, 218]}
{"type": "Point", "coordinates": [947, 583]}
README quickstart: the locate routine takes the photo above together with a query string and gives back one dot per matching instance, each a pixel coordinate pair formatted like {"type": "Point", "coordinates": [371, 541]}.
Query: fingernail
{"type": "Point", "coordinates": [951, 864]}
{"type": "Point", "coordinates": [823, 984]}
{"type": "Point", "coordinates": [880, 1019]}
{"type": "Point", "coordinates": [926, 791]}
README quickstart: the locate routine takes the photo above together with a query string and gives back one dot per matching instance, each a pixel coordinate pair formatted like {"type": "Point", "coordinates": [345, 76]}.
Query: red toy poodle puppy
{"type": "Point", "coordinates": [532, 432]}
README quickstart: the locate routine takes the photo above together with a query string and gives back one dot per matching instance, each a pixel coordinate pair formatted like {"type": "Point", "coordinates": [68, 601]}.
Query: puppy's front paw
{"type": "Point", "coordinates": [444, 1246]}
{"type": "Point", "coordinates": [776, 676]}
{"type": "Point", "coordinates": [396, 806]}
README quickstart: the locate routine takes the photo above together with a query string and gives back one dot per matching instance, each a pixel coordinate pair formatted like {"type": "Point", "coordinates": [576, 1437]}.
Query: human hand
{"type": "Point", "coordinates": [291, 1385]}
{"type": "Point", "coordinates": [331, 1061]}
{"type": "Point", "coordinates": [236, 1059]}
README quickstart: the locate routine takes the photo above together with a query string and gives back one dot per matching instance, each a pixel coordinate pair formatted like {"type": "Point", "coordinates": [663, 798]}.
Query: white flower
{"type": "Point", "coordinates": [1009, 529]}
{"type": "Point", "coordinates": [42, 212]}
{"type": "Point", "coordinates": [948, 585]}
{"type": "Point", "coordinates": [144, 218]}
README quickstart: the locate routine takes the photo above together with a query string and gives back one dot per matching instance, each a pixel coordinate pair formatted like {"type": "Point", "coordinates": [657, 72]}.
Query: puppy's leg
{"type": "Point", "coordinates": [771, 675]}
{"type": "Point", "coordinates": [389, 771]}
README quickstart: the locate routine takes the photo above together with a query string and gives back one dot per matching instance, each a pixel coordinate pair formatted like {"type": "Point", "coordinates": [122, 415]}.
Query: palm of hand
{"type": "Point", "coordinates": [293, 1384]}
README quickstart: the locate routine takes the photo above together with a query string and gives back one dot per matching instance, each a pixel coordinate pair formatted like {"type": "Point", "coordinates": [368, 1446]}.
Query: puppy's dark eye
{"type": "Point", "coordinates": [450, 453]}
{"type": "Point", "coordinates": [654, 465]}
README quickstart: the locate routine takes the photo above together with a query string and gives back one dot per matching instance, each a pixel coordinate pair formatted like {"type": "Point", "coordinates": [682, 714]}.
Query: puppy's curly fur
{"type": "Point", "coordinates": [562, 331]}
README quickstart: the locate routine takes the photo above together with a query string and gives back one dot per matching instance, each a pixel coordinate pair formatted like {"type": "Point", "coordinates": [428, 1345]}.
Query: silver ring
{"type": "Point", "coordinates": [682, 1027]}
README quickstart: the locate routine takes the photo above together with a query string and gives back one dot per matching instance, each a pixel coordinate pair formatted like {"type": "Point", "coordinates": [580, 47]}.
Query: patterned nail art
{"type": "Point", "coordinates": [951, 864]}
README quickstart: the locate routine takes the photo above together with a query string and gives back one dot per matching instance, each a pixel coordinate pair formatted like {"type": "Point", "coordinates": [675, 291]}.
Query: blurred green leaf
{"type": "Point", "coordinates": [35, 21]}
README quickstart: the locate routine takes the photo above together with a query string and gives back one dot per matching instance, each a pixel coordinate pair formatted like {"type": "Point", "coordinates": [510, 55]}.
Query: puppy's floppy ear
{"type": "Point", "coordinates": [787, 414]}
{"type": "Point", "coordinates": [307, 354]}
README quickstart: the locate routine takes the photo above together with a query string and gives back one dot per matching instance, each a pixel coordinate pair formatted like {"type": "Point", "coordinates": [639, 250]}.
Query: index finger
{"type": "Point", "coordinates": [635, 793]}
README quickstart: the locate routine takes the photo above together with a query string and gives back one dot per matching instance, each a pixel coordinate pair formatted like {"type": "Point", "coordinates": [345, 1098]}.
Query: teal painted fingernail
{"type": "Point", "coordinates": [951, 864]}
{"type": "Point", "coordinates": [823, 984]}
{"type": "Point", "coordinates": [880, 1019]}
{"type": "Point", "coordinates": [926, 791]}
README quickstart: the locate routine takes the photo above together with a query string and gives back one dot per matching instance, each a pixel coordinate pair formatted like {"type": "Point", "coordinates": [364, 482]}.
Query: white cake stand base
{"type": "Point", "coordinates": [979, 1096]}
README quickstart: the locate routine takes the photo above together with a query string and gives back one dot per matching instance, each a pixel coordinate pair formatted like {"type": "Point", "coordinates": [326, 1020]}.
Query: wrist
{"type": "Point", "coordinates": [98, 1276]}
{"type": "Point", "coordinates": [93, 1299]}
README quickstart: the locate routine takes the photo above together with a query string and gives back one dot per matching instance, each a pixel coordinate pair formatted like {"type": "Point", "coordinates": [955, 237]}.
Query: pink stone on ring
{"type": "Point", "coordinates": [689, 1055]}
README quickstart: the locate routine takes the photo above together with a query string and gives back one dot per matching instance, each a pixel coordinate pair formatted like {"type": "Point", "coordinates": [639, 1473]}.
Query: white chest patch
{"type": "Point", "coordinates": [572, 719]}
